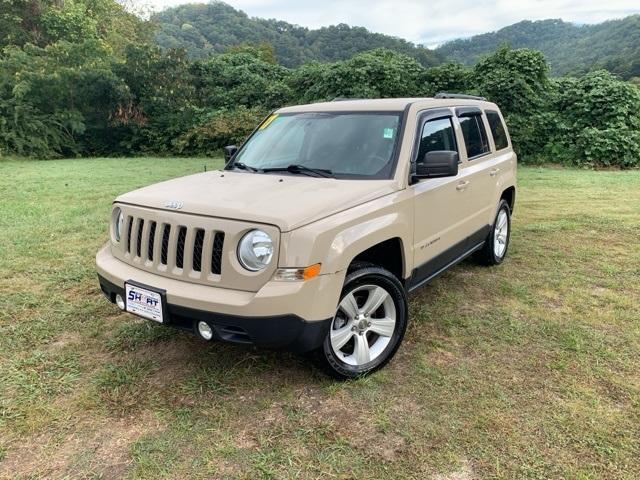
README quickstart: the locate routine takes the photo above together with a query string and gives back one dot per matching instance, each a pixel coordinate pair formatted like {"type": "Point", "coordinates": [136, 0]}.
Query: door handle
{"type": "Point", "coordinates": [494, 172]}
{"type": "Point", "coordinates": [462, 185]}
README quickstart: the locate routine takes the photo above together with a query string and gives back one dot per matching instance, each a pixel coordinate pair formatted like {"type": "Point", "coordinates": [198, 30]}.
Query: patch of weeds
{"type": "Point", "coordinates": [154, 455]}
{"type": "Point", "coordinates": [381, 420]}
{"type": "Point", "coordinates": [132, 335]}
{"type": "Point", "coordinates": [122, 387]}
{"type": "Point", "coordinates": [41, 374]}
{"type": "Point", "coordinates": [207, 379]}
{"type": "Point", "coordinates": [429, 373]}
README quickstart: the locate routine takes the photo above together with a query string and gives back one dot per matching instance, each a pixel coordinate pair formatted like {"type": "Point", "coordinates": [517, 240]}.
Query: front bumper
{"type": "Point", "coordinates": [291, 315]}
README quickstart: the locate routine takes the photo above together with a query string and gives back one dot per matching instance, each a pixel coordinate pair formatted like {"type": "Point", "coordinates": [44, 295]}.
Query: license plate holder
{"type": "Point", "coordinates": [146, 301]}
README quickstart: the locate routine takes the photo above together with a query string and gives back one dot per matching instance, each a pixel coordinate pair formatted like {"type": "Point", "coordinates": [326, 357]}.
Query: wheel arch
{"type": "Point", "coordinates": [388, 254]}
{"type": "Point", "coordinates": [509, 194]}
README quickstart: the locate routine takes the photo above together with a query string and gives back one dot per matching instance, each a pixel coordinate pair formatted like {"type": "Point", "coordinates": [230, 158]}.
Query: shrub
{"type": "Point", "coordinates": [219, 129]}
{"type": "Point", "coordinates": [599, 121]}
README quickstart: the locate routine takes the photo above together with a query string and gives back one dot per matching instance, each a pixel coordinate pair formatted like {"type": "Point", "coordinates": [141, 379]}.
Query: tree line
{"type": "Point", "coordinates": [85, 78]}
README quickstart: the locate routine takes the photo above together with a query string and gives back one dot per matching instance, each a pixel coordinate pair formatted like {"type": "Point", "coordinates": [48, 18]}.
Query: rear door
{"type": "Point", "coordinates": [502, 168]}
{"type": "Point", "coordinates": [479, 165]}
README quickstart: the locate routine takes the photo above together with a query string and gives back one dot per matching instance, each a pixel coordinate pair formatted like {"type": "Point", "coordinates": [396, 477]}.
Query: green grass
{"type": "Point", "coordinates": [526, 370]}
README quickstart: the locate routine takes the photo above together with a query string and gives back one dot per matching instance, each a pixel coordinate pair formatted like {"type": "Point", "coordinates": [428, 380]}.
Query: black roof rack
{"type": "Point", "coordinates": [443, 95]}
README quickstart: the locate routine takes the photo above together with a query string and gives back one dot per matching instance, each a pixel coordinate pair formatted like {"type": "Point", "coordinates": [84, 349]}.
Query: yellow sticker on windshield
{"type": "Point", "coordinates": [268, 121]}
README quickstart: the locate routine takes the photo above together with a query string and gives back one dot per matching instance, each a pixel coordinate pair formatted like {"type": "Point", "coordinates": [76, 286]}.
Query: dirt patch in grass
{"type": "Point", "coordinates": [100, 449]}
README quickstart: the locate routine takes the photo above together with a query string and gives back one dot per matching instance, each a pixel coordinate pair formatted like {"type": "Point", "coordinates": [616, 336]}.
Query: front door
{"type": "Point", "coordinates": [441, 209]}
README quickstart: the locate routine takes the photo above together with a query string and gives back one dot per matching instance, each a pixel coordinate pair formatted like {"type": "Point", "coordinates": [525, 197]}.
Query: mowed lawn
{"type": "Point", "coordinates": [527, 370]}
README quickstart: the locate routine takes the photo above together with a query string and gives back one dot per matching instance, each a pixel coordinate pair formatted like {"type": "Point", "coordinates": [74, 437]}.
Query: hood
{"type": "Point", "coordinates": [287, 201]}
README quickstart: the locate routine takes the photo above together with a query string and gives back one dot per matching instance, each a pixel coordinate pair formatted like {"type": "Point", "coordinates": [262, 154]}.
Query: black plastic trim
{"type": "Point", "coordinates": [425, 116]}
{"type": "Point", "coordinates": [287, 331]}
{"type": "Point", "coordinates": [429, 270]}
{"type": "Point", "coordinates": [462, 112]}
{"type": "Point", "coordinates": [448, 95]}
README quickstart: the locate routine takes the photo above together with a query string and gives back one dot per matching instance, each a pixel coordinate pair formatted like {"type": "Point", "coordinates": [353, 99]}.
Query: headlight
{"type": "Point", "coordinates": [255, 250]}
{"type": "Point", "coordinates": [118, 223]}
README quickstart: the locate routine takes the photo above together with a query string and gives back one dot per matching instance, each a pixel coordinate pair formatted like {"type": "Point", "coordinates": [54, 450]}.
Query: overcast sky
{"type": "Point", "coordinates": [429, 22]}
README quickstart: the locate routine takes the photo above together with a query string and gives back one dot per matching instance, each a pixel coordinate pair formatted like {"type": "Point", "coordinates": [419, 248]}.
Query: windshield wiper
{"type": "Point", "coordinates": [243, 166]}
{"type": "Point", "coordinates": [301, 169]}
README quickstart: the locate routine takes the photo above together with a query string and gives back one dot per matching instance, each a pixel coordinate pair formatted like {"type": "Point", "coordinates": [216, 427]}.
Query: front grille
{"type": "Point", "coordinates": [166, 246]}
{"type": "Point", "coordinates": [152, 238]}
{"type": "Point", "coordinates": [216, 258]}
{"type": "Point", "coordinates": [129, 228]}
{"type": "Point", "coordinates": [139, 243]}
{"type": "Point", "coordinates": [182, 234]}
{"type": "Point", "coordinates": [197, 250]}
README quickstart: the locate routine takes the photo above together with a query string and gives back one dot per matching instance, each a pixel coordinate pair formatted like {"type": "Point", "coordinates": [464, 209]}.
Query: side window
{"type": "Point", "coordinates": [475, 136]}
{"type": "Point", "coordinates": [497, 130]}
{"type": "Point", "coordinates": [437, 135]}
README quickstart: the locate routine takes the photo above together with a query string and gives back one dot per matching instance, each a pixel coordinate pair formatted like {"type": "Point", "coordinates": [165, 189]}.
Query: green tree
{"type": "Point", "coordinates": [57, 100]}
{"type": "Point", "coordinates": [599, 121]}
{"type": "Point", "coordinates": [517, 79]}
{"type": "Point", "coordinates": [379, 73]}
{"type": "Point", "coordinates": [163, 101]}
{"type": "Point", "coordinates": [244, 78]}
{"type": "Point", "coordinates": [449, 77]}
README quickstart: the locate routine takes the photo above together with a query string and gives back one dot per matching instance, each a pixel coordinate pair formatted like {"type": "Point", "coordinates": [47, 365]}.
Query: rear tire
{"type": "Point", "coordinates": [369, 324]}
{"type": "Point", "coordinates": [496, 245]}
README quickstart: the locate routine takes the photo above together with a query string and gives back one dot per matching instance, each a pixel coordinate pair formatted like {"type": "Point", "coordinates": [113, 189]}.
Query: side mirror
{"type": "Point", "coordinates": [439, 163]}
{"type": "Point", "coordinates": [229, 152]}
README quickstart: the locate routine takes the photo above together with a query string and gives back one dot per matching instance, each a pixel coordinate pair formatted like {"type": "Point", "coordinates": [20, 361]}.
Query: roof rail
{"type": "Point", "coordinates": [443, 95]}
{"type": "Point", "coordinates": [345, 99]}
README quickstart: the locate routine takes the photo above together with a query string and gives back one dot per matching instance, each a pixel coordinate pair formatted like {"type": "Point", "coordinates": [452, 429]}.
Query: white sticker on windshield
{"type": "Point", "coordinates": [388, 133]}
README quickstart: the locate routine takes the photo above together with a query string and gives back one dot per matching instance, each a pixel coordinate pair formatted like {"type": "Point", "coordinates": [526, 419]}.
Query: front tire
{"type": "Point", "coordinates": [369, 323]}
{"type": "Point", "coordinates": [496, 245]}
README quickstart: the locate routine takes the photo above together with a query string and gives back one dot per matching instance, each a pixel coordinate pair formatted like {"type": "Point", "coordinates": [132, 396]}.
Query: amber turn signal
{"type": "Point", "coordinates": [297, 274]}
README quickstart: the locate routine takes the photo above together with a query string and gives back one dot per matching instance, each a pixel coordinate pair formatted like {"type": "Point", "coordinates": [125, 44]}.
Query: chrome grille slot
{"type": "Point", "coordinates": [197, 250]}
{"type": "Point", "coordinates": [182, 234]}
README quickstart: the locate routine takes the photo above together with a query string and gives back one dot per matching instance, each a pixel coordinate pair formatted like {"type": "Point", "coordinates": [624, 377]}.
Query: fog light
{"type": "Point", "coordinates": [205, 330]}
{"type": "Point", "coordinates": [120, 301]}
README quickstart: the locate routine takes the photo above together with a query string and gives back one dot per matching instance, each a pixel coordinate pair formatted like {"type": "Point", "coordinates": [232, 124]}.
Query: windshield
{"type": "Point", "coordinates": [351, 145]}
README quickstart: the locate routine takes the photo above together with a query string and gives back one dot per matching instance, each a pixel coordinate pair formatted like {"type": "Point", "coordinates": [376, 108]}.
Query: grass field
{"type": "Point", "coordinates": [526, 370]}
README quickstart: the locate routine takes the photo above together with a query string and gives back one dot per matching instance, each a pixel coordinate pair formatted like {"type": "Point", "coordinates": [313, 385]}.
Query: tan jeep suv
{"type": "Point", "coordinates": [317, 228]}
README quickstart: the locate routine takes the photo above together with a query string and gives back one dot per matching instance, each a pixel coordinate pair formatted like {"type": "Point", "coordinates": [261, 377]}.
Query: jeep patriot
{"type": "Point", "coordinates": [318, 226]}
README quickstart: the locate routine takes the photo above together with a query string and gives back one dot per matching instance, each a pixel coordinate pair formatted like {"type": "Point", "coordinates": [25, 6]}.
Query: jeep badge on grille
{"type": "Point", "coordinates": [174, 205]}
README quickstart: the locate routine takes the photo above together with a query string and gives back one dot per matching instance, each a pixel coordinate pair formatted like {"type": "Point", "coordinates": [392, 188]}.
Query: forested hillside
{"type": "Point", "coordinates": [569, 48]}
{"type": "Point", "coordinates": [205, 28]}
{"type": "Point", "coordinates": [85, 78]}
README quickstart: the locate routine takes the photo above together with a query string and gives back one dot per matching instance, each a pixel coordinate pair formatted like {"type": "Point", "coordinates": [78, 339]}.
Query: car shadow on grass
{"type": "Point", "coordinates": [149, 362]}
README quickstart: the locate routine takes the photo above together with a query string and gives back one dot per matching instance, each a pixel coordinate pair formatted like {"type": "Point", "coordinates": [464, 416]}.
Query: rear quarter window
{"type": "Point", "coordinates": [497, 130]}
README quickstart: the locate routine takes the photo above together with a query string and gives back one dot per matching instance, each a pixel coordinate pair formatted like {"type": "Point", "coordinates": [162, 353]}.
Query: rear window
{"type": "Point", "coordinates": [475, 135]}
{"type": "Point", "coordinates": [497, 130]}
